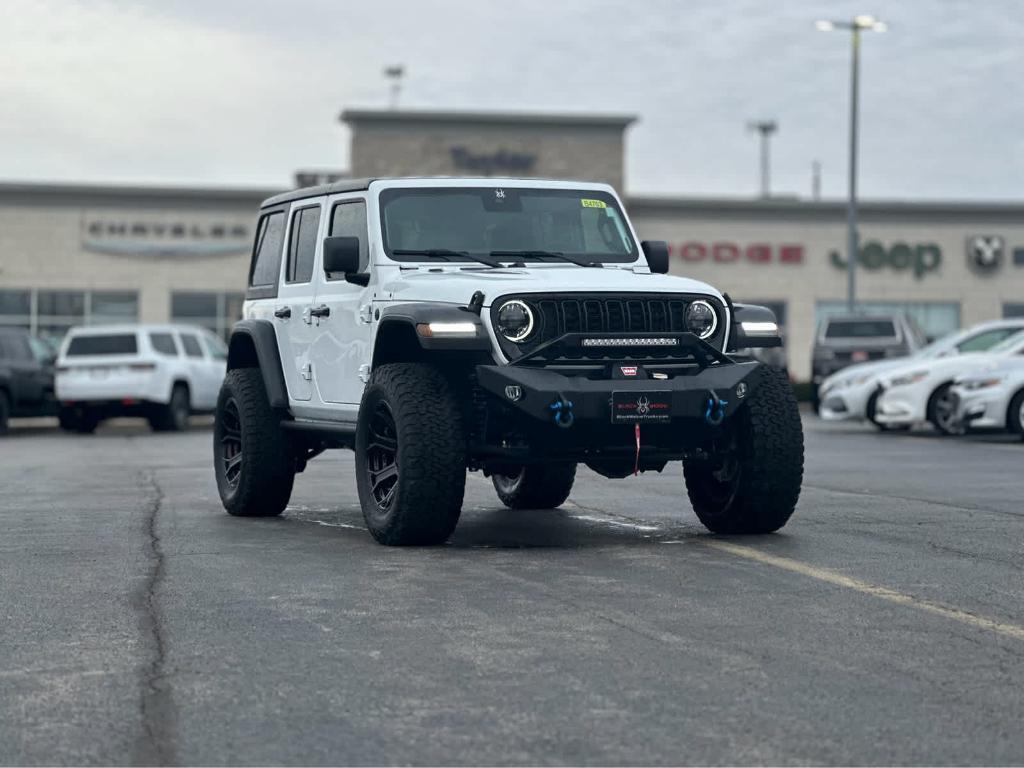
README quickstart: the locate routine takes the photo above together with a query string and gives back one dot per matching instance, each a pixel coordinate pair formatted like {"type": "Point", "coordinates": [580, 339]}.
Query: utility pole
{"type": "Point", "coordinates": [765, 128]}
{"type": "Point", "coordinates": [816, 180]}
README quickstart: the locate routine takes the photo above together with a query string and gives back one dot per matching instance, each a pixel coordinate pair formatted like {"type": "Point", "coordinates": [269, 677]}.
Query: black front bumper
{"type": "Point", "coordinates": [710, 395]}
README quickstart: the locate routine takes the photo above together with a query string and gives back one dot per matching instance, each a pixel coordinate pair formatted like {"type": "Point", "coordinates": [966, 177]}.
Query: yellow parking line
{"type": "Point", "coordinates": [883, 593]}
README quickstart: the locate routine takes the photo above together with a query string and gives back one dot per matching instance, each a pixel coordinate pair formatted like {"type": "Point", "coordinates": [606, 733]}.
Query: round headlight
{"type": "Point", "coordinates": [701, 319]}
{"type": "Point", "coordinates": [515, 320]}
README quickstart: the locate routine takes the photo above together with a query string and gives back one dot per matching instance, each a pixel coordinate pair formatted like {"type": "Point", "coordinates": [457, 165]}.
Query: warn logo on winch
{"type": "Point", "coordinates": [628, 370]}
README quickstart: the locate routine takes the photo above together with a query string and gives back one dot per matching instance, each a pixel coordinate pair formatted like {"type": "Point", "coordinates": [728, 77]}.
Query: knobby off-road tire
{"type": "Point", "coordinates": [253, 457]}
{"type": "Point", "coordinates": [410, 456]}
{"type": "Point", "coordinates": [755, 487]}
{"type": "Point", "coordinates": [172, 417]}
{"type": "Point", "coordinates": [538, 486]}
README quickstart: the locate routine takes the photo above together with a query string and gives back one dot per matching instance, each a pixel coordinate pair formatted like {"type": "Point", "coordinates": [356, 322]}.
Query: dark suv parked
{"type": "Point", "coordinates": [26, 377]}
{"type": "Point", "coordinates": [843, 340]}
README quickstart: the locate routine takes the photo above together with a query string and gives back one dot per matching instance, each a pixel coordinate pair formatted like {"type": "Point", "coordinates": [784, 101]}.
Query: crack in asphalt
{"type": "Point", "coordinates": [155, 746]}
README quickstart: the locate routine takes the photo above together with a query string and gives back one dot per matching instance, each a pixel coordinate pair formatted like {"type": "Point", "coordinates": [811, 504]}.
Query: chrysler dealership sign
{"type": "Point", "coordinates": [145, 237]}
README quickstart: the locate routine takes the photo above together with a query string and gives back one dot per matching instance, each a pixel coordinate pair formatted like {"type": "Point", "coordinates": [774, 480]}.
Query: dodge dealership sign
{"type": "Point", "coordinates": [727, 253]}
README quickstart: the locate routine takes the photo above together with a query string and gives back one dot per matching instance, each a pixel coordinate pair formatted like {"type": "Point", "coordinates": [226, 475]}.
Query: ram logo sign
{"type": "Point", "coordinates": [985, 252]}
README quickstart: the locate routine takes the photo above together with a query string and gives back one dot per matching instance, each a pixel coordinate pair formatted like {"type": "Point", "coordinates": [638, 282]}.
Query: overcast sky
{"type": "Point", "coordinates": [243, 92]}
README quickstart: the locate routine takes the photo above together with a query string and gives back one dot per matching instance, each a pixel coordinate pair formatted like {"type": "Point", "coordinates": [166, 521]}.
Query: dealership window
{"type": "Point", "coordinates": [50, 313]}
{"type": "Point", "coordinates": [935, 318]}
{"type": "Point", "coordinates": [215, 310]}
{"type": "Point", "coordinates": [1013, 309]}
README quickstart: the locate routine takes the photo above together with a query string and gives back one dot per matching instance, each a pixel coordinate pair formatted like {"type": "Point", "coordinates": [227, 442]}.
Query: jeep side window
{"type": "Point", "coordinates": [302, 244]}
{"type": "Point", "coordinates": [348, 219]}
{"type": "Point", "coordinates": [266, 263]}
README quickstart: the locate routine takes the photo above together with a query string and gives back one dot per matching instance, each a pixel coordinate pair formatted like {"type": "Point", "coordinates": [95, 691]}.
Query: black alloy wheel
{"type": "Point", "coordinates": [382, 456]}
{"type": "Point", "coordinates": [230, 429]}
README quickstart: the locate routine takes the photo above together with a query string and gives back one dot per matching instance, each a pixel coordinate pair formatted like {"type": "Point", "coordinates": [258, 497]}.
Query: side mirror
{"type": "Point", "coordinates": [753, 327]}
{"type": "Point", "coordinates": [341, 254]}
{"type": "Point", "coordinates": [656, 253]}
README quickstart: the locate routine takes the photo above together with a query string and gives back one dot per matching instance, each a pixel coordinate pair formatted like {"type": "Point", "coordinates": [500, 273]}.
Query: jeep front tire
{"type": "Point", "coordinates": [253, 457]}
{"type": "Point", "coordinates": [410, 456]}
{"type": "Point", "coordinates": [753, 484]}
{"type": "Point", "coordinates": [537, 486]}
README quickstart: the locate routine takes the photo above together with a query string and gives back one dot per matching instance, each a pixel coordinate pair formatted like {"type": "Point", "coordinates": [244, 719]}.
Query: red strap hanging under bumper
{"type": "Point", "coordinates": [636, 464]}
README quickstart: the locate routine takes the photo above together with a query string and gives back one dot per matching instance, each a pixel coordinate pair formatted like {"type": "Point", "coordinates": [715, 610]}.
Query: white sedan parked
{"type": "Point", "coordinates": [921, 390]}
{"type": "Point", "coordinates": [852, 393]}
{"type": "Point", "coordinates": [159, 372]}
{"type": "Point", "coordinates": [993, 397]}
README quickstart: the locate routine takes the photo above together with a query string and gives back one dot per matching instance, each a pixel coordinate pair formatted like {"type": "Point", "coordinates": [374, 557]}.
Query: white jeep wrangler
{"type": "Point", "coordinates": [516, 327]}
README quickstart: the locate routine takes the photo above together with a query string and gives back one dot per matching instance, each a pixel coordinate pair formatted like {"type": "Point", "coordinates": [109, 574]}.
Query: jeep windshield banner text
{"type": "Point", "coordinates": [505, 223]}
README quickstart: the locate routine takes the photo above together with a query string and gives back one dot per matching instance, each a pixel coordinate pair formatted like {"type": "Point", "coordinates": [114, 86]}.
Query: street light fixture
{"type": "Point", "coordinates": [395, 73]}
{"type": "Point", "coordinates": [766, 128]}
{"type": "Point", "coordinates": [855, 26]}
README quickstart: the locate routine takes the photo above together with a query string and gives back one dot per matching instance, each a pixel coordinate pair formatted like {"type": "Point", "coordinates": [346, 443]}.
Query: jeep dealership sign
{"type": "Point", "coordinates": [919, 259]}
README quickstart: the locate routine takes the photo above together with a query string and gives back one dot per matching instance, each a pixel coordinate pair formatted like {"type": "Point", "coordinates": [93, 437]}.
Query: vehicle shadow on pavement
{"type": "Point", "coordinates": [501, 528]}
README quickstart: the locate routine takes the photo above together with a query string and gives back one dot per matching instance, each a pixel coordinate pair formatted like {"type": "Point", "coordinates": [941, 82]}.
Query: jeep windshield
{"type": "Point", "coordinates": [505, 224]}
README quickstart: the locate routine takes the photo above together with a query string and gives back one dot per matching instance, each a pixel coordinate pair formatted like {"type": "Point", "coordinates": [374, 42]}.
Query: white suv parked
{"type": "Point", "coordinates": [159, 372]}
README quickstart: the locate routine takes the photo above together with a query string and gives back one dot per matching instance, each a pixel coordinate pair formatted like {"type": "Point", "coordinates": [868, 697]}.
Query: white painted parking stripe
{"type": "Point", "coordinates": [883, 593]}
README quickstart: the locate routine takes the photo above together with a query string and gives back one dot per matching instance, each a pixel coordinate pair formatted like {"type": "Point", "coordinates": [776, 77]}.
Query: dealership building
{"type": "Point", "coordinates": [73, 254]}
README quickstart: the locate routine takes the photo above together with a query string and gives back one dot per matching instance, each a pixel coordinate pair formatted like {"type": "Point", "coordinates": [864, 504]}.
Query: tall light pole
{"type": "Point", "coordinates": [855, 26]}
{"type": "Point", "coordinates": [395, 73]}
{"type": "Point", "coordinates": [766, 128]}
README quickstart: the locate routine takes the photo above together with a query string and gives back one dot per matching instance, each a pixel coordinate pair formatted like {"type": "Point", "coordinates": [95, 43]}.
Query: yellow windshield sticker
{"type": "Point", "coordinates": [593, 203]}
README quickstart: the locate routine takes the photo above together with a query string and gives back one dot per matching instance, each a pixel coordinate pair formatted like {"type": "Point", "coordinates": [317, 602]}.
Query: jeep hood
{"type": "Point", "coordinates": [455, 286]}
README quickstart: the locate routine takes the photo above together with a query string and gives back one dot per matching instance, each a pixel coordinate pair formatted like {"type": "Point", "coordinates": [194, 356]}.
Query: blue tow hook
{"type": "Point", "coordinates": [714, 413]}
{"type": "Point", "coordinates": [562, 409]}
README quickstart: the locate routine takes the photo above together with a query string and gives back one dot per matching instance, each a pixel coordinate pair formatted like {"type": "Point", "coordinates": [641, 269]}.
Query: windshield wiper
{"type": "Point", "coordinates": [448, 255]}
{"type": "Point", "coordinates": [546, 254]}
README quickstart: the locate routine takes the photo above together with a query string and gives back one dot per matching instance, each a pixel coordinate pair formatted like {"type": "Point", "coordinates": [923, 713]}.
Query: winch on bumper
{"type": "Point", "coordinates": [709, 396]}
{"type": "Point", "coordinates": [664, 378]}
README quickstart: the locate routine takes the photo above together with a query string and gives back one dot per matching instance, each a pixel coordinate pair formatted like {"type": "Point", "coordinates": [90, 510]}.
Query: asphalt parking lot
{"type": "Point", "coordinates": [141, 624]}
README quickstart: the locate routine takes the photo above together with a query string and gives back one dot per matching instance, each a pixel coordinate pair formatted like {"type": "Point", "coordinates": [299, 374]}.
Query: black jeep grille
{"type": "Point", "coordinates": [599, 314]}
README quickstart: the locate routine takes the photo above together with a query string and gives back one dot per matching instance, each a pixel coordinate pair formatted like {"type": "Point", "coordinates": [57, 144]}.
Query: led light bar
{"type": "Point", "coordinates": [760, 327]}
{"type": "Point", "coordinates": [631, 342]}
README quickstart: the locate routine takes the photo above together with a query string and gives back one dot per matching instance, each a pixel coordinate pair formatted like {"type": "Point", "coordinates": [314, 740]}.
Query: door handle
{"type": "Point", "coordinates": [322, 311]}
{"type": "Point", "coordinates": [283, 312]}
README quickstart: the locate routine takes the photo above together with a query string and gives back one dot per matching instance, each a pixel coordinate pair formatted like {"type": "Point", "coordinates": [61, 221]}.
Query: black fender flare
{"type": "Point", "coordinates": [253, 344]}
{"type": "Point", "coordinates": [417, 314]}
